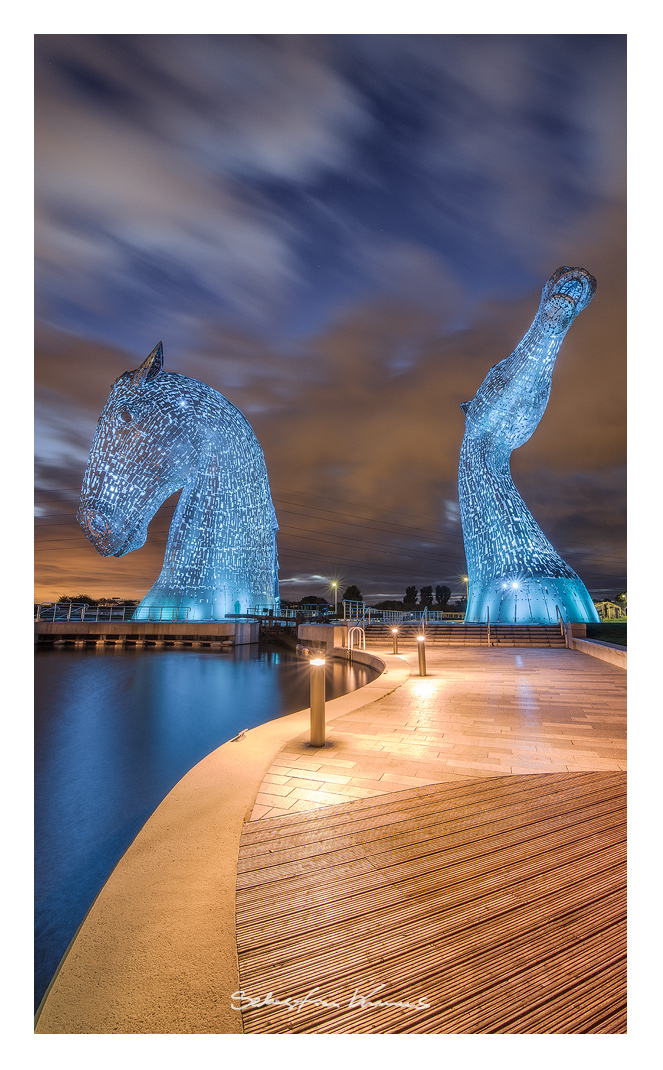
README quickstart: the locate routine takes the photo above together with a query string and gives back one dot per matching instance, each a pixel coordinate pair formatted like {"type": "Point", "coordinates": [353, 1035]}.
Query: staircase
{"type": "Point", "coordinates": [440, 634]}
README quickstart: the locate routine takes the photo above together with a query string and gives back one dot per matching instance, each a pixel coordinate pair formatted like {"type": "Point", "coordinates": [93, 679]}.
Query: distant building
{"type": "Point", "coordinates": [610, 610]}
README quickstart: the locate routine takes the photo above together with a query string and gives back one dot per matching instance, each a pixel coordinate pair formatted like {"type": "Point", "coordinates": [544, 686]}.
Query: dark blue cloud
{"type": "Point", "coordinates": [476, 149]}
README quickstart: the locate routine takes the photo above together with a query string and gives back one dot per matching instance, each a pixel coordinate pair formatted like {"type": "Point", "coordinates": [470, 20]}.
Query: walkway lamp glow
{"type": "Point", "coordinates": [421, 650]}
{"type": "Point", "coordinates": [317, 699]}
{"type": "Point", "coordinates": [394, 632]}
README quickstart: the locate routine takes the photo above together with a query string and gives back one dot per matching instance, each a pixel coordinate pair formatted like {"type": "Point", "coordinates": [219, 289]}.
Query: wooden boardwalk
{"type": "Point", "coordinates": [493, 905]}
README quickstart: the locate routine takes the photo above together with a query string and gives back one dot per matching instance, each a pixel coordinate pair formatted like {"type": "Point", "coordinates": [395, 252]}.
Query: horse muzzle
{"type": "Point", "coordinates": [97, 528]}
{"type": "Point", "coordinates": [103, 534]}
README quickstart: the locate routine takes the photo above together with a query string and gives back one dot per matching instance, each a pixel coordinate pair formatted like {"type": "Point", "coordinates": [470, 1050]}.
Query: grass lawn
{"type": "Point", "coordinates": [611, 631]}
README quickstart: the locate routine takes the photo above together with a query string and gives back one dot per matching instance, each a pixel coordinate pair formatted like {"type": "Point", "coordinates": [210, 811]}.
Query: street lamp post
{"type": "Point", "coordinates": [394, 632]}
{"type": "Point", "coordinates": [317, 700]}
{"type": "Point", "coordinates": [421, 644]}
{"type": "Point", "coordinates": [335, 586]}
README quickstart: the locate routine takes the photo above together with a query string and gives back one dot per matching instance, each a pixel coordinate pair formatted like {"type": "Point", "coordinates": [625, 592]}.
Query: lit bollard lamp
{"type": "Point", "coordinates": [394, 632]}
{"type": "Point", "coordinates": [317, 693]}
{"type": "Point", "coordinates": [421, 644]}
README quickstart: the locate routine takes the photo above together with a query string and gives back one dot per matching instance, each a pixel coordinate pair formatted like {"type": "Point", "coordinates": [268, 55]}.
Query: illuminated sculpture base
{"type": "Point", "coordinates": [536, 600]}
{"type": "Point", "coordinates": [160, 604]}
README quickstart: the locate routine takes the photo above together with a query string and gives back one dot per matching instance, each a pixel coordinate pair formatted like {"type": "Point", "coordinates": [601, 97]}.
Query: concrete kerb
{"type": "Point", "coordinates": [610, 652]}
{"type": "Point", "coordinates": [157, 951]}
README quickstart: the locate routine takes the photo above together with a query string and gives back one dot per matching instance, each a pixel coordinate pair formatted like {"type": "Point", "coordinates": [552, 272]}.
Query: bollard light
{"type": "Point", "coordinates": [421, 644]}
{"type": "Point", "coordinates": [394, 632]}
{"type": "Point", "coordinates": [317, 692]}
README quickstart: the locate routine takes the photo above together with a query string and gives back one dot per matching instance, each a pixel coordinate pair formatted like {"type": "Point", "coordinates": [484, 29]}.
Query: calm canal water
{"type": "Point", "coordinates": [114, 732]}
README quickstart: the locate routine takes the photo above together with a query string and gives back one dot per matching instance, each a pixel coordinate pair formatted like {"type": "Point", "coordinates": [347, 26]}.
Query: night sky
{"type": "Point", "coordinates": [341, 234]}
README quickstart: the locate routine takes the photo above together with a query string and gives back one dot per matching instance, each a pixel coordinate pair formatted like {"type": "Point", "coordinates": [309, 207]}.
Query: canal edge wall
{"type": "Point", "coordinates": [207, 632]}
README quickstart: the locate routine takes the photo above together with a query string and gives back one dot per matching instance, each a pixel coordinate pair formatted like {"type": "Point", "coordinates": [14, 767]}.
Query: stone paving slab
{"type": "Point", "coordinates": [477, 712]}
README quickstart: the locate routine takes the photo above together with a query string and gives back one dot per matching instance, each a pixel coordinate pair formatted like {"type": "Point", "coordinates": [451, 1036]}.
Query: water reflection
{"type": "Point", "coordinates": [114, 732]}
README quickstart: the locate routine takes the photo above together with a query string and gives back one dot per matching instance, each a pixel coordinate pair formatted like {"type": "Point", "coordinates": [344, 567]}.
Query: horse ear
{"type": "Point", "coordinates": [150, 367]}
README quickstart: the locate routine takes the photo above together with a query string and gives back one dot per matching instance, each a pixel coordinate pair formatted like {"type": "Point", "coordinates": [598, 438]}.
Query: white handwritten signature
{"type": "Point", "coordinates": [243, 1001]}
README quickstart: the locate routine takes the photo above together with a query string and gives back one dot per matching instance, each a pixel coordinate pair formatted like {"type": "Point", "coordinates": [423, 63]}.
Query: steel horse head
{"type": "Point", "coordinates": [515, 574]}
{"type": "Point", "coordinates": [161, 432]}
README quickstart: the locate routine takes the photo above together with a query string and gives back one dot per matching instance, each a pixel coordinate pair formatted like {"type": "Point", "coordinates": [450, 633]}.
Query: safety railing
{"type": "Point", "coordinates": [76, 611]}
{"type": "Point", "coordinates": [163, 613]}
{"type": "Point", "coordinates": [356, 638]}
{"type": "Point", "coordinates": [291, 613]}
{"type": "Point", "coordinates": [354, 610]}
{"type": "Point", "coordinates": [420, 616]}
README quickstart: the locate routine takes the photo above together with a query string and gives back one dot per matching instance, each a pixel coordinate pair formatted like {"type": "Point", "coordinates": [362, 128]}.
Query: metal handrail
{"type": "Point", "coordinates": [399, 616]}
{"type": "Point", "coordinates": [68, 611]}
{"type": "Point", "coordinates": [560, 621]}
{"type": "Point", "coordinates": [488, 620]}
{"type": "Point", "coordinates": [349, 611]}
{"type": "Point", "coordinates": [351, 638]}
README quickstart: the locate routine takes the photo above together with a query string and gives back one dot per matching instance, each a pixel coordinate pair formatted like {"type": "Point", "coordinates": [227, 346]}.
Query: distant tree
{"type": "Point", "coordinates": [117, 602]}
{"type": "Point", "coordinates": [80, 598]}
{"type": "Point", "coordinates": [388, 604]}
{"type": "Point", "coordinates": [442, 594]}
{"type": "Point", "coordinates": [426, 595]}
{"type": "Point", "coordinates": [352, 594]}
{"type": "Point", "coordinates": [410, 596]}
{"type": "Point", "coordinates": [313, 599]}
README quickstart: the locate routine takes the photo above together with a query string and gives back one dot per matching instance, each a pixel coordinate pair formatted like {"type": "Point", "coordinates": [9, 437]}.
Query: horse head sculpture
{"type": "Point", "coordinates": [514, 573]}
{"type": "Point", "coordinates": [161, 432]}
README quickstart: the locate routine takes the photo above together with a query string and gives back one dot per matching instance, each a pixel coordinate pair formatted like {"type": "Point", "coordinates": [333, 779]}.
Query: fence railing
{"type": "Point", "coordinates": [420, 616]}
{"type": "Point", "coordinates": [352, 612]}
{"type": "Point", "coordinates": [76, 611]}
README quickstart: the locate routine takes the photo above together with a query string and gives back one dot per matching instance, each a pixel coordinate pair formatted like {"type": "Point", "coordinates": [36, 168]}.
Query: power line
{"type": "Point", "coordinates": [384, 525]}
{"type": "Point", "coordinates": [289, 531]}
{"type": "Point", "coordinates": [50, 544]}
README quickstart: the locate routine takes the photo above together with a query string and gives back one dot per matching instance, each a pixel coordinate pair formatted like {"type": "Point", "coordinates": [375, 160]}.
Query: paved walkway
{"type": "Point", "coordinates": [157, 952]}
{"type": "Point", "coordinates": [477, 712]}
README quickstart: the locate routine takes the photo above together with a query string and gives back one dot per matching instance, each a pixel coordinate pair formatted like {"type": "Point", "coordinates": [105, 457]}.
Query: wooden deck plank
{"type": "Point", "coordinates": [409, 816]}
{"type": "Point", "coordinates": [270, 864]}
{"type": "Point", "coordinates": [387, 884]}
{"type": "Point", "coordinates": [437, 879]}
{"type": "Point", "coordinates": [417, 854]}
{"type": "Point", "coordinates": [521, 907]}
{"type": "Point", "coordinates": [509, 918]}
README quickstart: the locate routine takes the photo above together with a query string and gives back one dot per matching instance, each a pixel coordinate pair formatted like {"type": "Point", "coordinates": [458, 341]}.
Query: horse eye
{"type": "Point", "coordinates": [126, 416]}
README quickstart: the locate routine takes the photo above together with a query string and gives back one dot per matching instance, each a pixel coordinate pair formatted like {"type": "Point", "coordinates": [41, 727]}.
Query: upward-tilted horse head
{"type": "Point", "coordinates": [515, 574]}
{"type": "Point", "coordinates": [161, 432]}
